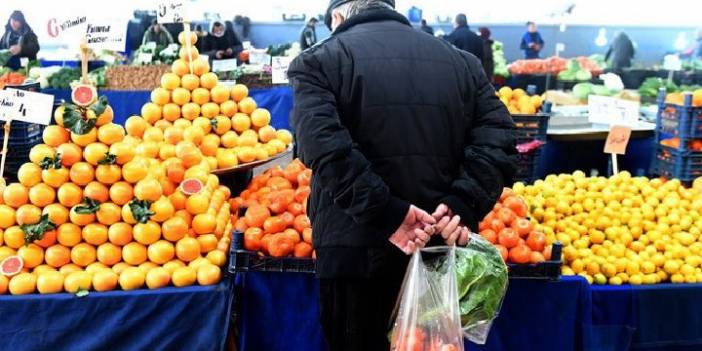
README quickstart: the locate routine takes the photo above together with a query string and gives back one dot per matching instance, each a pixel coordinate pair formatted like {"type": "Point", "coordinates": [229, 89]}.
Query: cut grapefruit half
{"type": "Point", "coordinates": [11, 265]}
{"type": "Point", "coordinates": [84, 95]}
{"type": "Point", "coordinates": [191, 186]}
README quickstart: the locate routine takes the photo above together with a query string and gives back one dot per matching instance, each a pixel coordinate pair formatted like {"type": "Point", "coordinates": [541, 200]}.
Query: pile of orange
{"type": "Point", "coordinates": [518, 102]}
{"type": "Point", "coordinates": [275, 222]}
{"type": "Point", "coordinates": [194, 117]}
{"type": "Point", "coordinates": [678, 98]}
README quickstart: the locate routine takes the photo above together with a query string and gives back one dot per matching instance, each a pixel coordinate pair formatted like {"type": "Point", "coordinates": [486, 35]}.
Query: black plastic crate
{"type": "Point", "coordinates": [670, 163]}
{"type": "Point", "coordinates": [531, 127]}
{"type": "Point", "coordinates": [249, 261]}
{"type": "Point", "coordinates": [545, 270]}
{"type": "Point", "coordinates": [528, 166]}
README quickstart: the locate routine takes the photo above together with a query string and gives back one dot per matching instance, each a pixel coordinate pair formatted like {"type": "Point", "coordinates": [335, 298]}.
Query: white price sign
{"type": "Point", "coordinates": [106, 35]}
{"type": "Point", "coordinates": [26, 106]}
{"type": "Point", "coordinates": [609, 110]}
{"type": "Point", "coordinates": [224, 65]}
{"type": "Point", "coordinates": [144, 58]}
{"type": "Point", "coordinates": [280, 69]}
{"type": "Point", "coordinates": [259, 58]}
{"type": "Point", "coordinates": [172, 11]}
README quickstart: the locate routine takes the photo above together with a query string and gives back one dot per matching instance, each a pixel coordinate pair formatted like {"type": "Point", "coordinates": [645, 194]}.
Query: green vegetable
{"type": "Point", "coordinates": [63, 78]}
{"type": "Point", "coordinates": [583, 75]}
{"type": "Point", "coordinates": [5, 56]}
{"type": "Point", "coordinates": [498, 57]}
{"type": "Point", "coordinates": [582, 90]}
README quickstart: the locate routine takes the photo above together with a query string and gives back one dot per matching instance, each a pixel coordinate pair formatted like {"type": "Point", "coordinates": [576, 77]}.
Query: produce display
{"type": "Point", "coordinates": [621, 229]}
{"type": "Point", "coordinates": [513, 233]}
{"type": "Point", "coordinates": [555, 65]}
{"type": "Point", "coordinates": [274, 205]}
{"type": "Point", "coordinates": [574, 71]}
{"type": "Point", "coordinates": [11, 78]}
{"type": "Point", "coordinates": [518, 102]}
{"type": "Point", "coordinates": [133, 78]}
{"type": "Point", "coordinates": [651, 86]}
{"type": "Point", "coordinates": [678, 97]}
{"type": "Point", "coordinates": [159, 54]}
{"type": "Point", "coordinates": [498, 57]}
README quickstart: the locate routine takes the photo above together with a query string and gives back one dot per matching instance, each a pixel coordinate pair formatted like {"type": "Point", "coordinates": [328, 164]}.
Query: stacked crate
{"type": "Point", "coordinates": [530, 128]}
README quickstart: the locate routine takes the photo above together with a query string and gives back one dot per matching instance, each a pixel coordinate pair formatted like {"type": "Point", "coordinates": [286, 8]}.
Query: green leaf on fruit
{"type": "Point", "coordinates": [141, 210]}
{"type": "Point", "coordinates": [49, 162]}
{"type": "Point", "coordinates": [82, 293]}
{"type": "Point", "coordinates": [89, 206]}
{"type": "Point", "coordinates": [109, 159]}
{"type": "Point", "coordinates": [99, 106]}
{"type": "Point", "coordinates": [34, 232]}
{"type": "Point", "coordinates": [213, 123]}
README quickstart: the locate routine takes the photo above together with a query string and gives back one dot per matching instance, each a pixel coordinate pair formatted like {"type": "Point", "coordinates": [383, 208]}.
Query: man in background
{"type": "Point", "coordinates": [391, 134]}
{"type": "Point", "coordinates": [621, 52]}
{"type": "Point", "coordinates": [463, 38]}
{"type": "Point", "coordinates": [488, 59]}
{"type": "Point", "coordinates": [157, 34]}
{"type": "Point", "coordinates": [219, 45]}
{"type": "Point", "coordinates": [426, 28]}
{"type": "Point", "coordinates": [532, 43]}
{"type": "Point", "coordinates": [308, 36]}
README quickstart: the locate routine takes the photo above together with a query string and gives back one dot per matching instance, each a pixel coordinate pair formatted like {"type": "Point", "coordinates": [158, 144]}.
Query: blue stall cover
{"type": "Point", "coordinates": [187, 318]}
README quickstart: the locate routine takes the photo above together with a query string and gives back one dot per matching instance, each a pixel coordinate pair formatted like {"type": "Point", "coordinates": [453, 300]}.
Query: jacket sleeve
{"type": "Point", "coordinates": [30, 45]}
{"type": "Point", "coordinates": [325, 145]}
{"type": "Point", "coordinates": [489, 154]}
{"type": "Point", "coordinates": [524, 43]}
{"type": "Point", "coordinates": [540, 40]}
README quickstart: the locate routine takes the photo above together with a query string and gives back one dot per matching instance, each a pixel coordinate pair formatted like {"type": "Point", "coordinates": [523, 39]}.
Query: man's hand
{"type": "Point", "coordinates": [229, 51]}
{"type": "Point", "coordinates": [219, 54]}
{"type": "Point", "coordinates": [449, 226]}
{"type": "Point", "coordinates": [15, 49]}
{"type": "Point", "coordinates": [414, 232]}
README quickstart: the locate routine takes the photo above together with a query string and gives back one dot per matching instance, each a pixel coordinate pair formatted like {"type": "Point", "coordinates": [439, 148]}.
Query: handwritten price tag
{"type": "Point", "coordinates": [617, 140]}
{"type": "Point", "coordinates": [106, 35]}
{"type": "Point", "coordinates": [224, 65]}
{"type": "Point", "coordinates": [26, 106]}
{"type": "Point", "coordinates": [173, 11]}
{"type": "Point", "coordinates": [279, 68]}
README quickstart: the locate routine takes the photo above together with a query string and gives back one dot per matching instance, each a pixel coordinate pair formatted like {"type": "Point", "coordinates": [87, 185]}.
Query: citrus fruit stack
{"type": "Point", "coordinates": [194, 117]}
{"type": "Point", "coordinates": [508, 228]}
{"type": "Point", "coordinates": [621, 229]}
{"type": "Point", "coordinates": [100, 210]}
{"type": "Point", "coordinates": [275, 222]}
{"type": "Point", "coordinates": [678, 98]}
{"type": "Point", "coordinates": [518, 102]}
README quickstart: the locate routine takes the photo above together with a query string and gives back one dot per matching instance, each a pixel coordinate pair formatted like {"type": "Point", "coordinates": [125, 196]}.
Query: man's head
{"type": "Point", "coordinates": [531, 27]}
{"type": "Point", "coordinates": [156, 26]}
{"type": "Point", "coordinates": [312, 22]}
{"type": "Point", "coordinates": [424, 22]}
{"type": "Point", "coordinates": [218, 29]}
{"type": "Point", "coordinates": [484, 33]}
{"type": "Point", "coordinates": [460, 21]}
{"type": "Point", "coordinates": [341, 10]}
{"type": "Point", "coordinates": [16, 20]}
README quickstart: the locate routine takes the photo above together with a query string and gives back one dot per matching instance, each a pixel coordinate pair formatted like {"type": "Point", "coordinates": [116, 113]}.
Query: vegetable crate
{"type": "Point", "coordinates": [531, 127]}
{"type": "Point", "coordinates": [545, 270]}
{"type": "Point", "coordinates": [669, 162]}
{"type": "Point", "coordinates": [681, 121]}
{"type": "Point", "coordinates": [528, 166]}
{"type": "Point", "coordinates": [241, 260]}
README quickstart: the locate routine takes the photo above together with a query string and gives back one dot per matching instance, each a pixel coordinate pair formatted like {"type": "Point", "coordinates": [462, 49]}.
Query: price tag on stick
{"type": "Point", "coordinates": [617, 140]}
{"type": "Point", "coordinates": [26, 106]}
{"type": "Point", "coordinates": [279, 69]}
{"type": "Point", "coordinates": [171, 11]}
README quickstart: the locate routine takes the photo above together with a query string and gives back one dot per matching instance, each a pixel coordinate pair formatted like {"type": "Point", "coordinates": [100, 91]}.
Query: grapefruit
{"type": "Point", "coordinates": [11, 265]}
{"type": "Point", "coordinates": [191, 186]}
{"type": "Point", "coordinates": [84, 95]}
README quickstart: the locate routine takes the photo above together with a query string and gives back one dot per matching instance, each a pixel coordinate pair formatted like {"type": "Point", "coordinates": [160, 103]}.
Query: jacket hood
{"type": "Point", "coordinates": [18, 16]}
{"type": "Point", "coordinates": [371, 16]}
{"type": "Point", "coordinates": [336, 3]}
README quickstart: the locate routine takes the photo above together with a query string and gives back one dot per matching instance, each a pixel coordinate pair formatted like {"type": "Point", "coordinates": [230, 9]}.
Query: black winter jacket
{"type": "Point", "coordinates": [464, 39]}
{"type": "Point", "coordinates": [386, 116]}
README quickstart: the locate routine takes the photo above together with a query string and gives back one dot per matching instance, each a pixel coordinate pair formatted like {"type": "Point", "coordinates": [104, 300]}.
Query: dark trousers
{"type": "Point", "coordinates": [356, 312]}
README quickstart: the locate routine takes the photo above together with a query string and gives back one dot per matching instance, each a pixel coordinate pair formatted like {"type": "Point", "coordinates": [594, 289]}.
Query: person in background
{"type": "Point", "coordinates": [158, 34]}
{"type": "Point", "coordinates": [426, 28]}
{"type": "Point", "coordinates": [488, 60]}
{"type": "Point", "coordinates": [621, 52]}
{"type": "Point", "coordinates": [218, 45]}
{"type": "Point", "coordinates": [532, 43]}
{"type": "Point", "coordinates": [390, 133]}
{"type": "Point", "coordinates": [308, 36]}
{"type": "Point", "coordinates": [695, 51]}
{"type": "Point", "coordinates": [201, 34]}
{"type": "Point", "coordinates": [20, 39]}
{"type": "Point", "coordinates": [463, 38]}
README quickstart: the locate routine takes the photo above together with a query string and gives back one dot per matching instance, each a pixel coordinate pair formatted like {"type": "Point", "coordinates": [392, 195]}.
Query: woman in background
{"type": "Point", "coordinates": [20, 39]}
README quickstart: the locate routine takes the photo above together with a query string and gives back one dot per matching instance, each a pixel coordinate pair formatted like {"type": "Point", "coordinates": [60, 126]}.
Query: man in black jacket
{"type": "Point", "coordinates": [394, 124]}
{"type": "Point", "coordinates": [308, 35]}
{"type": "Point", "coordinates": [464, 38]}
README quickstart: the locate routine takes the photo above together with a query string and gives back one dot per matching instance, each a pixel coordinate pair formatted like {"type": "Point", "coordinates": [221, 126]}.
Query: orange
{"type": "Point", "coordinates": [22, 284]}
{"type": "Point", "coordinates": [50, 282]}
{"type": "Point", "coordinates": [228, 108]}
{"type": "Point", "coordinates": [171, 265]}
{"type": "Point", "coordinates": [70, 195]}
{"type": "Point", "coordinates": [208, 242]}
{"type": "Point", "coordinates": [131, 278]}
{"type": "Point", "coordinates": [41, 151]}
{"type": "Point", "coordinates": [111, 133]}
{"type": "Point", "coordinates": [193, 134]}
{"type": "Point", "coordinates": [260, 117]}
{"type": "Point", "coordinates": [105, 280]}
{"type": "Point", "coordinates": [134, 171]}
{"type": "Point", "coordinates": [109, 213]}
{"type": "Point", "coordinates": [190, 111]}
{"type": "Point", "coordinates": [203, 123]}
{"type": "Point", "coordinates": [187, 249]}
{"type": "Point", "coordinates": [279, 145]}
{"type": "Point", "coordinates": [96, 191]}
{"type": "Point", "coordinates": [58, 214]}
{"type": "Point", "coordinates": [239, 92]}
{"type": "Point", "coordinates": [241, 122]}
{"type": "Point", "coordinates": [171, 112]}
{"type": "Point", "coordinates": [79, 218]}
{"type": "Point", "coordinates": [226, 158]}
{"type": "Point", "coordinates": [121, 193]}
{"type": "Point", "coordinates": [48, 238]}
{"type": "Point", "coordinates": [123, 152]}
{"type": "Point", "coordinates": [208, 274]}
{"type": "Point", "coordinates": [55, 135]}
{"type": "Point", "coordinates": [188, 55]}
{"type": "Point", "coordinates": [187, 152]}
{"type": "Point", "coordinates": [210, 109]}
{"type": "Point", "coordinates": [200, 96]}
{"type": "Point", "coordinates": [29, 174]}
{"type": "Point", "coordinates": [151, 112]}
{"type": "Point", "coordinates": [163, 209]}
{"type": "Point", "coordinates": [28, 214]}
{"type": "Point", "coordinates": [180, 67]}
{"type": "Point", "coordinates": [170, 81]}
{"type": "Point", "coordinates": [204, 223]}
{"type": "Point", "coordinates": [55, 177]}
{"type": "Point", "coordinates": [76, 281]}
{"type": "Point", "coordinates": [96, 267]}
{"type": "Point", "coordinates": [173, 135]}
{"type": "Point", "coordinates": [217, 258]}
{"type": "Point", "coordinates": [41, 195]}
{"type": "Point", "coordinates": [197, 203]}
{"type": "Point", "coordinates": [84, 139]}
{"type": "Point", "coordinates": [246, 154]}
{"type": "Point", "coordinates": [135, 126]}
{"type": "Point", "coordinates": [147, 266]}
{"type": "Point", "coordinates": [148, 189]}
{"type": "Point", "coordinates": [158, 278]}
{"type": "Point", "coordinates": [68, 234]}
{"type": "Point", "coordinates": [57, 256]}
{"type": "Point", "coordinates": [160, 96]}
{"type": "Point", "coordinates": [95, 234]}
{"type": "Point", "coordinates": [148, 149]}
{"type": "Point", "coordinates": [7, 217]}
{"type": "Point", "coordinates": [181, 96]}
{"type": "Point", "coordinates": [162, 124]}
{"type": "Point", "coordinates": [109, 254]}
{"type": "Point", "coordinates": [174, 229]}
{"type": "Point", "coordinates": [15, 195]}
{"type": "Point", "coordinates": [127, 215]}
{"type": "Point", "coordinates": [120, 267]}
{"type": "Point", "coordinates": [153, 134]}
{"type": "Point", "coordinates": [106, 117]}
{"type": "Point", "coordinates": [247, 105]}
{"type": "Point", "coordinates": [200, 67]}
{"type": "Point", "coordinates": [284, 136]}
{"type": "Point", "coordinates": [69, 268]}
{"type": "Point", "coordinates": [120, 233]}
{"type": "Point", "coordinates": [83, 254]}
{"type": "Point", "coordinates": [266, 133]}
{"type": "Point", "coordinates": [161, 252]}
{"type": "Point", "coordinates": [178, 200]}
{"type": "Point", "coordinates": [168, 186]}
{"type": "Point", "coordinates": [222, 124]}
{"type": "Point", "coordinates": [209, 81]}
{"type": "Point", "coordinates": [185, 215]}
{"type": "Point", "coordinates": [219, 94]}
{"type": "Point", "coordinates": [43, 268]}
{"type": "Point", "coordinates": [82, 173]}
{"type": "Point", "coordinates": [147, 233]}
{"type": "Point", "coordinates": [31, 254]}
{"type": "Point", "coordinates": [182, 38]}
{"type": "Point", "coordinates": [190, 82]}
{"type": "Point", "coordinates": [3, 284]}
{"type": "Point", "coordinates": [183, 123]}
{"type": "Point", "coordinates": [209, 146]}
{"type": "Point", "coordinates": [108, 174]}
{"type": "Point", "coordinates": [229, 139]}
{"type": "Point", "coordinates": [183, 276]}
{"type": "Point", "coordinates": [134, 253]}
{"type": "Point", "coordinates": [6, 251]}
